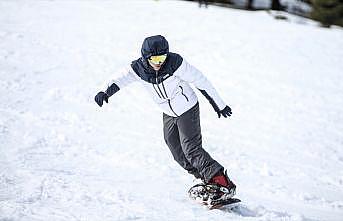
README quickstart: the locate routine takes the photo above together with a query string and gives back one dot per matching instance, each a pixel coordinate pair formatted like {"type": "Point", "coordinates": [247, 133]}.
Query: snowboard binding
{"type": "Point", "coordinates": [212, 195]}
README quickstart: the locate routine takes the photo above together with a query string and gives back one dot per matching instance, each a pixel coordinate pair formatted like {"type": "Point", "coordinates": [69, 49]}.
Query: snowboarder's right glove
{"type": "Point", "coordinates": [101, 97]}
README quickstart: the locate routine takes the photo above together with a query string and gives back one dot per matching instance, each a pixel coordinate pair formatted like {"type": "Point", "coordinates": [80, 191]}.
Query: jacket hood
{"type": "Point", "coordinates": [154, 45]}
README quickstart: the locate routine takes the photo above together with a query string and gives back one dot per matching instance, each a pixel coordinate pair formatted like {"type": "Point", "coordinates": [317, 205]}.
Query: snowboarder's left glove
{"type": "Point", "coordinates": [226, 112]}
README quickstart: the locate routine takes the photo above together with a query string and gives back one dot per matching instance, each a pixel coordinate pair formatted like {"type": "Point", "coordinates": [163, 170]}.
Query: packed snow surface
{"type": "Point", "coordinates": [63, 158]}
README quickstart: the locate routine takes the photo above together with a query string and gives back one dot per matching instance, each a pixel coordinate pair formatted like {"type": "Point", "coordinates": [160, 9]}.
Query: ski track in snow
{"type": "Point", "coordinates": [64, 158]}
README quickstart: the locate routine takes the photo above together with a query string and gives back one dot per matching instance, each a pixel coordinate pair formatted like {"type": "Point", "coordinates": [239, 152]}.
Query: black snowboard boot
{"type": "Point", "coordinates": [222, 180]}
{"type": "Point", "coordinates": [219, 188]}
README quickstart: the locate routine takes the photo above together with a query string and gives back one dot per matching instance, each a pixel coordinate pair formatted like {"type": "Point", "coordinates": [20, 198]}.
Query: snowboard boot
{"type": "Point", "coordinates": [220, 188]}
{"type": "Point", "coordinates": [226, 186]}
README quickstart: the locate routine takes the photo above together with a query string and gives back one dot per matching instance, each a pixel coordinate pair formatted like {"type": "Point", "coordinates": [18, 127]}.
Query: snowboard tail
{"type": "Point", "coordinates": [227, 202]}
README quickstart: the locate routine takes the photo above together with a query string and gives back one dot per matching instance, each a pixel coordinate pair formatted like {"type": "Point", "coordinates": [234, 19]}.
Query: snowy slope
{"type": "Point", "coordinates": [64, 158]}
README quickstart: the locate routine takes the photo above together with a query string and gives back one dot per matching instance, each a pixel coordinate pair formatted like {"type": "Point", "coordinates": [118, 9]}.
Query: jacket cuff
{"type": "Point", "coordinates": [112, 89]}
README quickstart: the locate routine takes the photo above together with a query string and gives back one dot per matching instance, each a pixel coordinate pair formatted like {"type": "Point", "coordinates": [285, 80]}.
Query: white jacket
{"type": "Point", "coordinates": [174, 95]}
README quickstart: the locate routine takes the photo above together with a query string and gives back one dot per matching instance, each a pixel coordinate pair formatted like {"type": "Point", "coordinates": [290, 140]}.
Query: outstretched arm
{"type": "Point", "coordinates": [119, 81]}
{"type": "Point", "coordinates": [192, 75]}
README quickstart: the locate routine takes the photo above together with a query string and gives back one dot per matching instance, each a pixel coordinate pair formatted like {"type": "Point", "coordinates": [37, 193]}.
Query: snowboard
{"type": "Point", "coordinates": [228, 202]}
{"type": "Point", "coordinates": [212, 196]}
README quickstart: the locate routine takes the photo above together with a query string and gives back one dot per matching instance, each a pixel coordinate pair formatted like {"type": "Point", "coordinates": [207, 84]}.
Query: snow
{"type": "Point", "coordinates": [64, 158]}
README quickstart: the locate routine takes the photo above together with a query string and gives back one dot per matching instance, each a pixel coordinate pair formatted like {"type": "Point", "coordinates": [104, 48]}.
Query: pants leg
{"type": "Point", "coordinates": [172, 139]}
{"type": "Point", "coordinates": [191, 141]}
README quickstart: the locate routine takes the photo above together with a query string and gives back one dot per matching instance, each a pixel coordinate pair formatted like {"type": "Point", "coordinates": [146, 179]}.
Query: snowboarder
{"type": "Point", "coordinates": [167, 77]}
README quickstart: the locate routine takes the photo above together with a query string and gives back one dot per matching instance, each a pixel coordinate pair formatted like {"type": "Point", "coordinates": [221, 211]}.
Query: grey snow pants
{"type": "Point", "coordinates": [183, 137]}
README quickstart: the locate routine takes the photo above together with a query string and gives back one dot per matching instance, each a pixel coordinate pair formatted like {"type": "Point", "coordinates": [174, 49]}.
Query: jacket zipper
{"type": "Point", "coordinates": [153, 85]}
{"type": "Point", "coordinates": [158, 86]}
{"type": "Point", "coordinates": [171, 108]}
{"type": "Point", "coordinates": [183, 93]}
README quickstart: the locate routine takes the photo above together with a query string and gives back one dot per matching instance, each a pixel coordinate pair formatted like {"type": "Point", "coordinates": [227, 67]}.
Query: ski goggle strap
{"type": "Point", "coordinates": [158, 59]}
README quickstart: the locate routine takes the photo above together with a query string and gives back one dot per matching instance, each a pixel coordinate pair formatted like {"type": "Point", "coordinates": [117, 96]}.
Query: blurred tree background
{"type": "Point", "coordinates": [328, 12]}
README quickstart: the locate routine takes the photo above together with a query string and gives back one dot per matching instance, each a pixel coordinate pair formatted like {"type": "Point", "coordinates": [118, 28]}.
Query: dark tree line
{"type": "Point", "coordinates": [274, 5]}
{"type": "Point", "coordinates": [328, 12]}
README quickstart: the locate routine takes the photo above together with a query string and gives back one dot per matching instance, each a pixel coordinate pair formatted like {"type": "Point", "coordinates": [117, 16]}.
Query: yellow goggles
{"type": "Point", "coordinates": [158, 59]}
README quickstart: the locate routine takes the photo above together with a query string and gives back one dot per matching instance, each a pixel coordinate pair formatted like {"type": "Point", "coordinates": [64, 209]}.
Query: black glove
{"type": "Point", "coordinates": [101, 97]}
{"type": "Point", "coordinates": [226, 112]}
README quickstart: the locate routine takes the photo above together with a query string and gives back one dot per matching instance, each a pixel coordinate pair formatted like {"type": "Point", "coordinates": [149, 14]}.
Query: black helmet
{"type": "Point", "coordinates": [154, 45]}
